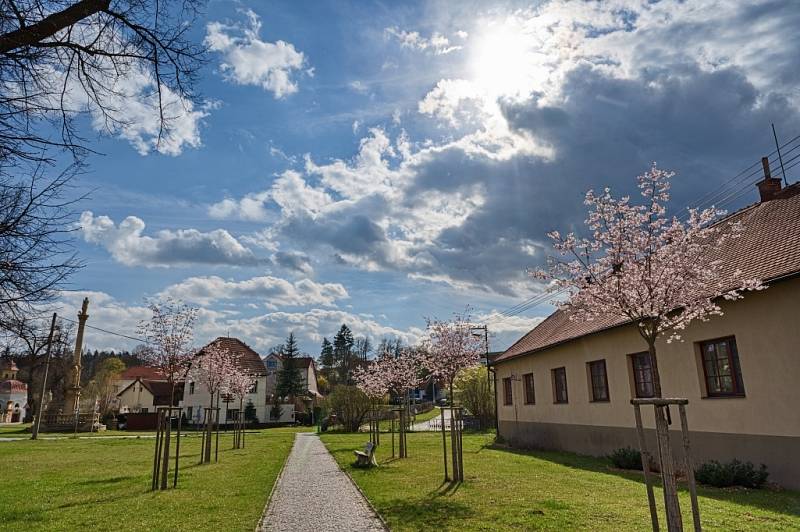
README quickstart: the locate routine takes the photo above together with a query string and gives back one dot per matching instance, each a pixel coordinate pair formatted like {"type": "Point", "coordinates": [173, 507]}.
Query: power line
{"type": "Point", "coordinates": [737, 177]}
{"type": "Point", "coordinates": [107, 331]}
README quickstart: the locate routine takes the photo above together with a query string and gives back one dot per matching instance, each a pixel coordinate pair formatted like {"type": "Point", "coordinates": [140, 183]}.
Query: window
{"type": "Point", "coordinates": [143, 411]}
{"type": "Point", "coordinates": [642, 375]}
{"type": "Point", "coordinates": [254, 388]}
{"type": "Point", "coordinates": [599, 380]}
{"type": "Point", "coordinates": [232, 415]}
{"type": "Point", "coordinates": [721, 368]}
{"type": "Point", "coordinates": [560, 386]}
{"type": "Point", "coordinates": [530, 393]}
{"type": "Point", "coordinates": [272, 363]}
{"type": "Point", "coordinates": [507, 393]}
{"type": "Point", "coordinates": [189, 412]}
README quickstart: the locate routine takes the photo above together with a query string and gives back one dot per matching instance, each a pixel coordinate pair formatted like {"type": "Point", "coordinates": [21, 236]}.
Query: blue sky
{"type": "Point", "coordinates": [376, 163]}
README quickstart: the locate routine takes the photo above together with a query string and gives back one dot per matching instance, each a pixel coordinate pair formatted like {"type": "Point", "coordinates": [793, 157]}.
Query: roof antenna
{"type": "Point", "coordinates": [785, 183]}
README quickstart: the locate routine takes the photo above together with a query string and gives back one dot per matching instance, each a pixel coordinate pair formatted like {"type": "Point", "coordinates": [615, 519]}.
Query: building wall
{"type": "Point", "coordinates": [200, 398]}
{"type": "Point", "coordinates": [136, 398]}
{"type": "Point", "coordinates": [763, 426]}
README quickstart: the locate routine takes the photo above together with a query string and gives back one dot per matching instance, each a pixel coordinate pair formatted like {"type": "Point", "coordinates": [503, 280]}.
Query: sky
{"type": "Point", "coordinates": [380, 163]}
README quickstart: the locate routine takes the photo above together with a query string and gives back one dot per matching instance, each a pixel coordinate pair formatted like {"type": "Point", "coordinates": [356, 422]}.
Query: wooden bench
{"type": "Point", "coordinates": [366, 457]}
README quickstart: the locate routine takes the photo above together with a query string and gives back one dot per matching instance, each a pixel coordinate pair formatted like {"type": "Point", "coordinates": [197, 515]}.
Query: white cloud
{"type": "Point", "coordinates": [358, 86]}
{"type": "Point", "coordinates": [437, 43]}
{"type": "Point", "coordinates": [310, 327]}
{"type": "Point", "coordinates": [271, 291]}
{"type": "Point", "coordinates": [454, 101]}
{"type": "Point", "coordinates": [260, 331]}
{"type": "Point", "coordinates": [248, 60]}
{"type": "Point", "coordinates": [250, 208]}
{"type": "Point", "coordinates": [128, 245]}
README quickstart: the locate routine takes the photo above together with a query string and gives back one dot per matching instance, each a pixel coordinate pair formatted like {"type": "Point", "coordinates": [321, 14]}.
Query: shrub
{"type": "Point", "coordinates": [733, 473]}
{"type": "Point", "coordinates": [350, 406]}
{"type": "Point", "coordinates": [626, 458]}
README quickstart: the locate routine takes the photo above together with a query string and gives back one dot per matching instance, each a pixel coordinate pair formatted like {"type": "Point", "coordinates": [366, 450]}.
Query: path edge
{"type": "Point", "coordinates": [274, 485]}
{"type": "Point", "coordinates": [360, 491]}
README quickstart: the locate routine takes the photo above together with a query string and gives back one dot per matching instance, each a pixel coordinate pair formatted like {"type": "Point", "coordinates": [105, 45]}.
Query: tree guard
{"type": "Point", "coordinates": [161, 457]}
{"type": "Point", "coordinates": [666, 463]}
{"type": "Point", "coordinates": [210, 422]}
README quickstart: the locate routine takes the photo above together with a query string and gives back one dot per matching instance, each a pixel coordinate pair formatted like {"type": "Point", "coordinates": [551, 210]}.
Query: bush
{"type": "Point", "coordinates": [350, 406]}
{"type": "Point", "coordinates": [733, 473]}
{"type": "Point", "coordinates": [626, 458]}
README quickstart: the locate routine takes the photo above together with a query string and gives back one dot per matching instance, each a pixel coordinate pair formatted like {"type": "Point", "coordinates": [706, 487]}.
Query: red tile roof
{"type": "Point", "coordinates": [768, 249]}
{"type": "Point", "coordinates": [13, 386]}
{"type": "Point", "coordinates": [144, 372]}
{"type": "Point", "coordinates": [245, 357]}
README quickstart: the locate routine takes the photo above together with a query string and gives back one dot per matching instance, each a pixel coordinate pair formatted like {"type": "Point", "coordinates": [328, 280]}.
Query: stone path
{"type": "Point", "coordinates": [314, 495]}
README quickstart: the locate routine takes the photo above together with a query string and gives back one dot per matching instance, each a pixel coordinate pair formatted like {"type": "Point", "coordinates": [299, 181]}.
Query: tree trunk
{"type": "Point", "coordinates": [453, 436]}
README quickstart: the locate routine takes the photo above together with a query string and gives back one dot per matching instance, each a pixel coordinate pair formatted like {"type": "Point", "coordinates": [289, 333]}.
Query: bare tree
{"type": "Point", "coordinates": [36, 254]}
{"type": "Point", "coordinates": [28, 338]}
{"type": "Point", "coordinates": [59, 58]}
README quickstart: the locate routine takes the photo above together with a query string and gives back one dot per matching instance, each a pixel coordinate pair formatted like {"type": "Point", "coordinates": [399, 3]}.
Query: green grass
{"type": "Point", "coordinates": [386, 424]}
{"type": "Point", "coordinates": [435, 412]}
{"type": "Point", "coordinates": [23, 431]}
{"type": "Point", "coordinates": [514, 490]}
{"type": "Point", "coordinates": [103, 484]}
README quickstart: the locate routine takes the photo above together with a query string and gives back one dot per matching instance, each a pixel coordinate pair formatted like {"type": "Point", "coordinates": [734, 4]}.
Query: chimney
{"type": "Point", "coordinates": [770, 187]}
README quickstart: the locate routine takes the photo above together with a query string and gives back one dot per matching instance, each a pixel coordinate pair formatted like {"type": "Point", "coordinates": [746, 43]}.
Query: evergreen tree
{"type": "Point", "coordinates": [250, 411]}
{"type": "Point", "coordinates": [275, 410]}
{"type": "Point", "coordinates": [327, 362]}
{"type": "Point", "coordinates": [290, 378]}
{"type": "Point", "coordinates": [343, 354]}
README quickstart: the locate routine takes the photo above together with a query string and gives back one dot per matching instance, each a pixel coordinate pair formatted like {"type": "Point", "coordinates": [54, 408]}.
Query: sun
{"type": "Point", "coordinates": [503, 62]}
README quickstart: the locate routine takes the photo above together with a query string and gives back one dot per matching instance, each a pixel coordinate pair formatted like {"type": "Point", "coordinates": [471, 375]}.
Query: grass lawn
{"type": "Point", "coordinates": [386, 424]}
{"type": "Point", "coordinates": [514, 490]}
{"type": "Point", "coordinates": [420, 418]}
{"type": "Point", "coordinates": [23, 431]}
{"type": "Point", "coordinates": [103, 484]}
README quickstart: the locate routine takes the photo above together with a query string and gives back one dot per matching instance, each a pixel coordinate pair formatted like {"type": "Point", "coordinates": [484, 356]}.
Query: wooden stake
{"type": "Point", "coordinates": [689, 469]}
{"type": "Point", "coordinates": [444, 447]}
{"type": "Point", "coordinates": [651, 498]}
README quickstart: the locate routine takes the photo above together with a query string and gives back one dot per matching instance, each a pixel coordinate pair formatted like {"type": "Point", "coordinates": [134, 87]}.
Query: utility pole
{"type": "Point", "coordinates": [35, 430]}
{"type": "Point", "coordinates": [489, 371]}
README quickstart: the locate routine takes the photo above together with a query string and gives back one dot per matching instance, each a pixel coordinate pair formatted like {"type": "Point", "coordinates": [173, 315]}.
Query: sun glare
{"type": "Point", "coordinates": [503, 62]}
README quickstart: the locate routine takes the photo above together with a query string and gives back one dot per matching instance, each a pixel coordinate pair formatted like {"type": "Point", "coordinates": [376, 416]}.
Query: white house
{"type": "Point", "coordinates": [196, 396]}
{"type": "Point", "coordinates": [144, 396]}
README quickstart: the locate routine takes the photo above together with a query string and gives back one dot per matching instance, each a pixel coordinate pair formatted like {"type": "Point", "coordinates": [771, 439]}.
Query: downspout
{"type": "Point", "coordinates": [496, 414]}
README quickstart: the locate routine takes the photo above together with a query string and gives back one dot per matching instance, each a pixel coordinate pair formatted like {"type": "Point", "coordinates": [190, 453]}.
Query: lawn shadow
{"type": "Point", "coordinates": [112, 480]}
{"type": "Point", "coordinates": [781, 502]}
{"type": "Point", "coordinates": [446, 488]}
{"type": "Point", "coordinates": [427, 513]}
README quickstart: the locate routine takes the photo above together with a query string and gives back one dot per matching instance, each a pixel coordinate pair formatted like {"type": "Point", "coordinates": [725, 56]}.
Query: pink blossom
{"type": "Point", "coordinates": [213, 368]}
{"type": "Point", "coordinates": [639, 265]}
{"type": "Point", "coordinates": [451, 347]}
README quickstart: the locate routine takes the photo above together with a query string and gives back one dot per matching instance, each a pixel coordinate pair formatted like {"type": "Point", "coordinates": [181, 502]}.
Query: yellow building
{"type": "Point", "coordinates": [567, 385]}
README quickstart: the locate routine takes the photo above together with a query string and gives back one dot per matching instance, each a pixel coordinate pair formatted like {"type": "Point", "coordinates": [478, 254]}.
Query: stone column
{"type": "Point", "coordinates": [72, 396]}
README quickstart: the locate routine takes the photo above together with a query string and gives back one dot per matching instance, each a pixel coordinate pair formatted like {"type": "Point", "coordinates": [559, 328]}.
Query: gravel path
{"type": "Point", "coordinates": [314, 495]}
{"type": "Point", "coordinates": [434, 424]}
